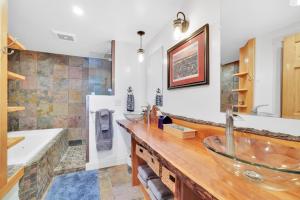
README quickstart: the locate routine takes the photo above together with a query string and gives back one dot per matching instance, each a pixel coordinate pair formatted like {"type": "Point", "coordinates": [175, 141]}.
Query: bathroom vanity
{"type": "Point", "coordinates": [190, 168]}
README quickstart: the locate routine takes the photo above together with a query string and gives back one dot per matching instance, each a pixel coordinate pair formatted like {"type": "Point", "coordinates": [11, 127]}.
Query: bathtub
{"type": "Point", "coordinates": [35, 141]}
{"type": "Point", "coordinates": [40, 153]}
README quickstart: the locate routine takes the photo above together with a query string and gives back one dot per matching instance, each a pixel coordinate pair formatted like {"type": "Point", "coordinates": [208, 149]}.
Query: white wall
{"type": "Point", "coordinates": [128, 72]}
{"type": "Point", "coordinates": [154, 74]}
{"type": "Point", "coordinates": [203, 102]}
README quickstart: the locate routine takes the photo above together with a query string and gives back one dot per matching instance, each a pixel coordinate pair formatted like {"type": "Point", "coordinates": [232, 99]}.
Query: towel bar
{"type": "Point", "coordinates": [112, 111]}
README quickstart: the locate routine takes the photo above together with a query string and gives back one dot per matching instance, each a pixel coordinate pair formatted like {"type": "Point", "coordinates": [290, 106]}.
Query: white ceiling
{"type": "Point", "coordinates": [32, 22]}
{"type": "Point", "coordinates": [245, 19]}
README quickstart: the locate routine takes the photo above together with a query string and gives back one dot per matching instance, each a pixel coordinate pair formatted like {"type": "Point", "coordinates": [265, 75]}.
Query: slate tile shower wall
{"type": "Point", "coordinates": [228, 83]}
{"type": "Point", "coordinates": [54, 90]}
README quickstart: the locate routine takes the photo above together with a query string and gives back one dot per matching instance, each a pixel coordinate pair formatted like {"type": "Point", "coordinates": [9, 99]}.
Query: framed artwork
{"type": "Point", "coordinates": [188, 61]}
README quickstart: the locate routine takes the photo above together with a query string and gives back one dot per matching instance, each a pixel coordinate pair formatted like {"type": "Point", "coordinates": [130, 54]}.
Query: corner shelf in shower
{"type": "Point", "coordinates": [240, 90]}
{"type": "Point", "coordinates": [240, 74]}
{"type": "Point", "coordinates": [14, 76]}
{"type": "Point", "coordinates": [14, 44]}
{"type": "Point", "coordinates": [12, 141]}
{"type": "Point", "coordinates": [15, 108]}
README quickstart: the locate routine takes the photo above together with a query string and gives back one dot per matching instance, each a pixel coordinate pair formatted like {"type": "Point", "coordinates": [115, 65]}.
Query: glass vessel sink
{"type": "Point", "coordinates": [270, 165]}
{"type": "Point", "coordinates": [134, 116]}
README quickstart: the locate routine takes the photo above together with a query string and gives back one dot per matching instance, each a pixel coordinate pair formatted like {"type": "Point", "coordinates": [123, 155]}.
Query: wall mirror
{"type": "Point", "coordinates": [260, 57]}
{"type": "Point", "coordinates": [154, 70]}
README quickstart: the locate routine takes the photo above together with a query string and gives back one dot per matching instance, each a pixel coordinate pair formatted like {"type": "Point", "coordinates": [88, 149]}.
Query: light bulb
{"type": "Point", "coordinates": [77, 10]}
{"type": "Point", "coordinates": [294, 3]}
{"type": "Point", "coordinates": [177, 32]}
{"type": "Point", "coordinates": [140, 57]}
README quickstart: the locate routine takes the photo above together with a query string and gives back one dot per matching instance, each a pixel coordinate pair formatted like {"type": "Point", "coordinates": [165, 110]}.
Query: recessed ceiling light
{"type": "Point", "coordinates": [294, 2]}
{"type": "Point", "coordinates": [77, 10]}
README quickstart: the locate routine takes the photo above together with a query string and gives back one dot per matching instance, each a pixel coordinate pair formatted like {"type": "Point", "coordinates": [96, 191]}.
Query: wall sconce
{"type": "Point", "coordinates": [141, 51]}
{"type": "Point", "coordinates": [180, 25]}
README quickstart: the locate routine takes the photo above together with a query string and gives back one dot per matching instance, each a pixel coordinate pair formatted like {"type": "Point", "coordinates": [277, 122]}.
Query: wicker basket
{"type": "Point", "coordinates": [142, 152]}
{"type": "Point", "coordinates": [168, 178]}
{"type": "Point", "coordinates": [153, 162]}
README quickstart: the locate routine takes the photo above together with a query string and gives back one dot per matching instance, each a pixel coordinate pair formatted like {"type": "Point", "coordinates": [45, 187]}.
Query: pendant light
{"type": "Point", "coordinates": [180, 25]}
{"type": "Point", "coordinates": [140, 51]}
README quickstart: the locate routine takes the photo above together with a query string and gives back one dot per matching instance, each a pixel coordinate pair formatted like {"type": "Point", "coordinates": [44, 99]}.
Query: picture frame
{"type": "Point", "coordinates": [188, 60]}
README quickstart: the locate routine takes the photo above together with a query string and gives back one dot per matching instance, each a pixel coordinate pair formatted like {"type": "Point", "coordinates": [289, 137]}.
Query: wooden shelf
{"type": "Point", "coordinates": [14, 44]}
{"type": "Point", "coordinates": [240, 106]}
{"type": "Point", "coordinates": [241, 74]}
{"type": "Point", "coordinates": [15, 108]}
{"type": "Point", "coordinates": [11, 182]}
{"type": "Point", "coordinates": [240, 90]}
{"type": "Point", "coordinates": [11, 141]}
{"type": "Point", "coordinates": [14, 76]}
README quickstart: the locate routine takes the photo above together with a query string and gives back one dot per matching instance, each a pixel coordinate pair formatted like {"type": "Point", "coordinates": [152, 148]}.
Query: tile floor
{"type": "Point", "coordinates": [115, 184]}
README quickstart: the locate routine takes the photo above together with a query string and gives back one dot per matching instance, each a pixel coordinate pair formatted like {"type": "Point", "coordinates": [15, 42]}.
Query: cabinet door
{"type": "Point", "coordinates": [291, 77]}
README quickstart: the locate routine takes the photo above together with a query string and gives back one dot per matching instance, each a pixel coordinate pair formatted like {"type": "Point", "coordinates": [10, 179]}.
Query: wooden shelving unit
{"type": "Point", "coordinates": [14, 76]}
{"type": "Point", "coordinates": [14, 44]}
{"type": "Point", "coordinates": [240, 90]}
{"type": "Point", "coordinates": [11, 182]}
{"type": "Point", "coordinates": [7, 182]}
{"type": "Point", "coordinates": [241, 74]}
{"type": "Point", "coordinates": [246, 84]}
{"type": "Point", "coordinates": [15, 108]}
{"type": "Point", "coordinates": [11, 141]}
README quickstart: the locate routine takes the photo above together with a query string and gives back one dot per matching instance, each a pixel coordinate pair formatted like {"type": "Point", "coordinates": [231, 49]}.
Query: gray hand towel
{"type": "Point", "coordinates": [146, 172]}
{"type": "Point", "coordinates": [159, 190]}
{"type": "Point", "coordinates": [104, 130]}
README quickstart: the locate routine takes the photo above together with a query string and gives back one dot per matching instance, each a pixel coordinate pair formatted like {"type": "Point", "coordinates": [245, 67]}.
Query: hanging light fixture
{"type": "Point", "coordinates": [141, 51]}
{"type": "Point", "coordinates": [180, 25]}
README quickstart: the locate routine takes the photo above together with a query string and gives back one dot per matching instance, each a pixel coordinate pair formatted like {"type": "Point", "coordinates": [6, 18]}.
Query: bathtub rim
{"type": "Point", "coordinates": [44, 150]}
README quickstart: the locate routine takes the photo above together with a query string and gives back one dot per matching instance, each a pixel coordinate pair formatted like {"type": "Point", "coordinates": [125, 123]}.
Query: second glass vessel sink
{"type": "Point", "coordinates": [270, 165]}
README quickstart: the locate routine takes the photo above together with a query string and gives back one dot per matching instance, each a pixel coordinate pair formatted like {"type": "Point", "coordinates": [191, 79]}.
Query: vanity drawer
{"type": "Point", "coordinates": [168, 178]}
{"type": "Point", "coordinates": [142, 152]}
{"type": "Point", "coordinates": [153, 162]}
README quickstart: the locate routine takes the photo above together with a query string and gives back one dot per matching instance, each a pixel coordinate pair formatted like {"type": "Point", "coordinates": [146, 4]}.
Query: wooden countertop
{"type": "Point", "coordinates": [192, 159]}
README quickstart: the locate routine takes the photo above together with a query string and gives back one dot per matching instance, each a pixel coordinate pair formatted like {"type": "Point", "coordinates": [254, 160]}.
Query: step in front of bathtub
{"type": "Point", "coordinates": [72, 161]}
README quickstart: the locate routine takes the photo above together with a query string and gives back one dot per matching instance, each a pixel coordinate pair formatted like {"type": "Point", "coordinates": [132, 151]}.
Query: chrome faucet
{"type": "Point", "coordinates": [147, 112]}
{"type": "Point", "coordinates": [255, 109]}
{"type": "Point", "coordinates": [229, 132]}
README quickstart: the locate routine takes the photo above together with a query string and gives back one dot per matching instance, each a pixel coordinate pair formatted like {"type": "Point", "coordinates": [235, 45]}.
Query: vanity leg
{"type": "Point", "coordinates": [178, 190]}
{"type": "Point", "coordinates": [134, 163]}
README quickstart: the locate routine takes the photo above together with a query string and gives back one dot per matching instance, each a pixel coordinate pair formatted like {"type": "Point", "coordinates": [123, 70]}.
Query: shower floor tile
{"type": "Point", "coordinates": [115, 184]}
{"type": "Point", "coordinates": [72, 161]}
